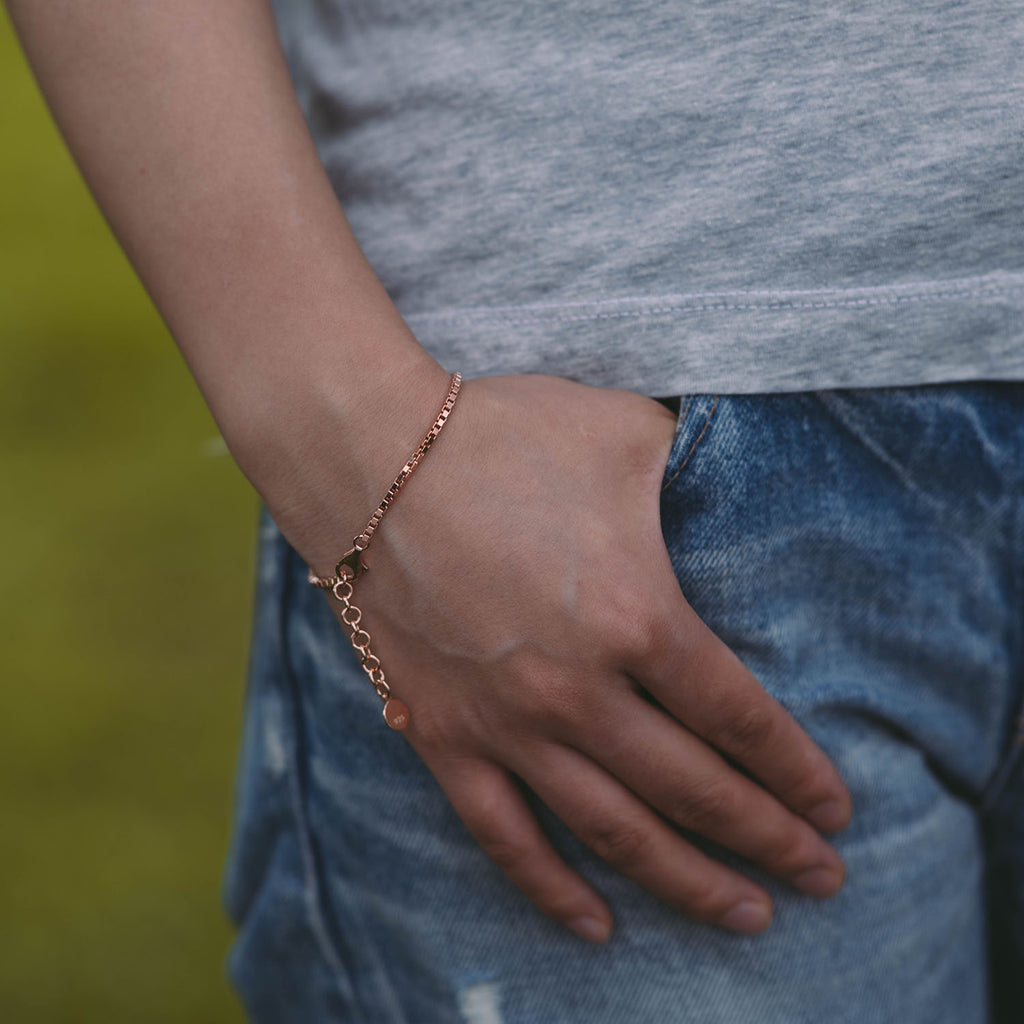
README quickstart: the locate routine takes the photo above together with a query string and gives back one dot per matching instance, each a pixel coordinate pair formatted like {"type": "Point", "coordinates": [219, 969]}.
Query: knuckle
{"type": "Point", "coordinates": [709, 805]}
{"type": "Point", "coordinates": [506, 851]}
{"type": "Point", "coordinates": [706, 899]}
{"type": "Point", "coordinates": [792, 849]}
{"type": "Point", "coordinates": [549, 700]}
{"type": "Point", "coordinates": [807, 778]}
{"type": "Point", "coordinates": [436, 734]}
{"type": "Point", "coordinates": [648, 635]}
{"type": "Point", "coordinates": [625, 625]}
{"type": "Point", "coordinates": [622, 846]}
{"type": "Point", "coordinates": [746, 728]}
{"type": "Point", "coordinates": [540, 697]}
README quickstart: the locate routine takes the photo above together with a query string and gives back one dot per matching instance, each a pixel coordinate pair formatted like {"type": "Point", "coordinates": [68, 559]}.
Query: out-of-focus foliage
{"type": "Point", "coordinates": [125, 592]}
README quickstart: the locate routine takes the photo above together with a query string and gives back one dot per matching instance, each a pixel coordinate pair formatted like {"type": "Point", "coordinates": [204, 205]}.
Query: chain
{"type": "Point", "coordinates": [363, 539]}
{"type": "Point", "coordinates": [351, 565]}
{"type": "Point", "coordinates": [360, 638]}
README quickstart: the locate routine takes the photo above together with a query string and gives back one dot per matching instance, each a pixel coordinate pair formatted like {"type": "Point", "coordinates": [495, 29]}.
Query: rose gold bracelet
{"type": "Point", "coordinates": [352, 565]}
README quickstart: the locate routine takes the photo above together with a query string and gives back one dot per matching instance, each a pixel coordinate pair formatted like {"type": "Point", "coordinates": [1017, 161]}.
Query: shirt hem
{"type": "Point", "coordinates": [967, 328]}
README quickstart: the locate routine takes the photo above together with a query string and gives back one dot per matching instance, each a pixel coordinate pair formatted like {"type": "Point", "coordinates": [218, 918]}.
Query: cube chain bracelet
{"type": "Point", "coordinates": [352, 565]}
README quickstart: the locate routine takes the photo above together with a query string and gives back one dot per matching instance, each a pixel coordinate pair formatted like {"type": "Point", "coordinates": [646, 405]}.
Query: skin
{"type": "Point", "coordinates": [184, 123]}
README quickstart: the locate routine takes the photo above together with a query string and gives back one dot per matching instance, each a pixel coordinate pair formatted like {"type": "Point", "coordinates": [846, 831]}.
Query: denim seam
{"type": "Point", "coordinates": [313, 881]}
{"type": "Point", "coordinates": [681, 418]}
{"type": "Point", "coordinates": [697, 440]}
{"type": "Point", "coordinates": [310, 871]}
{"type": "Point", "coordinates": [686, 410]}
{"type": "Point", "coordinates": [1011, 755]}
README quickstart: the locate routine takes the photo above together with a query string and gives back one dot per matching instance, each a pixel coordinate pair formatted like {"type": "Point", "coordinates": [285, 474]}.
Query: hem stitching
{"type": "Point", "coordinates": [696, 304]}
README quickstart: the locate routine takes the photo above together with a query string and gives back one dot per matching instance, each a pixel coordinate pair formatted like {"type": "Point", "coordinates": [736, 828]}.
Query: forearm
{"type": "Point", "coordinates": [184, 123]}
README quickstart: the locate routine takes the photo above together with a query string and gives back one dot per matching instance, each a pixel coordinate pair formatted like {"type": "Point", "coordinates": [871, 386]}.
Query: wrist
{"type": "Point", "coordinates": [322, 449]}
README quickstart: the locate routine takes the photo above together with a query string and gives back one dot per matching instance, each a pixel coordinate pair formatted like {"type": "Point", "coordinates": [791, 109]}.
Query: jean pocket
{"type": "Point", "coordinates": [693, 423]}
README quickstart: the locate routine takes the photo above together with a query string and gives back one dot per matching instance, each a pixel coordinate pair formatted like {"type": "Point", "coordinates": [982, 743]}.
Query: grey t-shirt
{"type": "Point", "coordinates": [676, 197]}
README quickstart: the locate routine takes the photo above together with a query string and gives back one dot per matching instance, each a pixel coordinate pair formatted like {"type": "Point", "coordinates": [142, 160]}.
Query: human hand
{"type": "Point", "coordinates": [520, 597]}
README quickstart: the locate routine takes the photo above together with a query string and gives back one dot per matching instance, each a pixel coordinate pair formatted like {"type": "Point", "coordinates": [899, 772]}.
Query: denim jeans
{"type": "Point", "coordinates": [862, 552]}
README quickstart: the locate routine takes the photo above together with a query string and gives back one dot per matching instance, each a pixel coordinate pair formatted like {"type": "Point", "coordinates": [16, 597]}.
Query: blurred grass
{"type": "Point", "coordinates": [125, 596]}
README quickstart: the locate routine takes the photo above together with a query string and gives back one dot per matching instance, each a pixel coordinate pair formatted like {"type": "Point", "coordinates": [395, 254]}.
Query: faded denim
{"type": "Point", "coordinates": [862, 551]}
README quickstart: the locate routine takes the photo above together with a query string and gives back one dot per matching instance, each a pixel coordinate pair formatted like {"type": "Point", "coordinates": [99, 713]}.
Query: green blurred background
{"type": "Point", "coordinates": [125, 594]}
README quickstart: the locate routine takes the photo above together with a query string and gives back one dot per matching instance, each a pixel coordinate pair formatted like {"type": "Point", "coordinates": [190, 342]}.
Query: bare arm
{"type": "Point", "coordinates": [184, 123]}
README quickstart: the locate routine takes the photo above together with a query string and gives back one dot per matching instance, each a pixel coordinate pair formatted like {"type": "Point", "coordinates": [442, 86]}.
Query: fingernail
{"type": "Point", "coordinates": [820, 881]}
{"type": "Point", "coordinates": [590, 928]}
{"type": "Point", "coordinates": [749, 916]}
{"type": "Point", "coordinates": [829, 816]}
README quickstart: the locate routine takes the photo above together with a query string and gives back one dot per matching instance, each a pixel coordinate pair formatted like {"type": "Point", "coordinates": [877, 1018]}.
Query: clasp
{"type": "Point", "coordinates": [351, 565]}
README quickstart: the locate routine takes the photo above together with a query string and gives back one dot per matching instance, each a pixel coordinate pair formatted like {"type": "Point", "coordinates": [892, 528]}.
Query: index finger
{"type": "Point", "coordinates": [700, 681]}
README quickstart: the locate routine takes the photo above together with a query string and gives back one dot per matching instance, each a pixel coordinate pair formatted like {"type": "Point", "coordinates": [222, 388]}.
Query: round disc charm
{"type": "Point", "coordinates": [396, 714]}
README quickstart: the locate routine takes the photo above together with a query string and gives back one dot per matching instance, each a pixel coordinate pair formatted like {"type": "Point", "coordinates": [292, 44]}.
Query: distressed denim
{"type": "Point", "coordinates": [862, 552]}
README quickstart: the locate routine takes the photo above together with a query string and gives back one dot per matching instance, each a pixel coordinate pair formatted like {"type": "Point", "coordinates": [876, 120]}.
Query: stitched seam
{"type": "Point", "coordinates": [1015, 747]}
{"type": "Point", "coordinates": [693, 447]}
{"type": "Point", "coordinates": [681, 419]}
{"type": "Point", "coordinates": [310, 869]}
{"type": "Point", "coordinates": [680, 426]}
{"type": "Point", "coordinates": [996, 279]}
{"type": "Point", "coordinates": [689, 307]}
{"type": "Point", "coordinates": [314, 885]}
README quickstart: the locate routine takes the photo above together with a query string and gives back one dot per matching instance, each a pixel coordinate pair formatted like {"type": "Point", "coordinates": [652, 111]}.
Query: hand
{"type": "Point", "coordinates": [520, 596]}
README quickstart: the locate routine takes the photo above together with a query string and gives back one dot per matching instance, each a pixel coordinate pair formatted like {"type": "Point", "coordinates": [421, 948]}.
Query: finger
{"type": "Point", "coordinates": [486, 799]}
{"type": "Point", "coordinates": [701, 682]}
{"type": "Point", "coordinates": [677, 773]}
{"type": "Point", "coordinates": [627, 834]}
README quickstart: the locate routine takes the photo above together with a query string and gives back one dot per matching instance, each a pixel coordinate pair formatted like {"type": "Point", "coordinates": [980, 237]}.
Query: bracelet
{"type": "Point", "coordinates": [352, 565]}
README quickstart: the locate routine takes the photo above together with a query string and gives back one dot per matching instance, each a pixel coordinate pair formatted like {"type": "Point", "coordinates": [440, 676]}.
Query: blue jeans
{"type": "Point", "coordinates": [862, 551]}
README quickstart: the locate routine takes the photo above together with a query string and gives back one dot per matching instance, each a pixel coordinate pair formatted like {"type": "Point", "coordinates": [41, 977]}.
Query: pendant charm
{"type": "Point", "coordinates": [396, 714]}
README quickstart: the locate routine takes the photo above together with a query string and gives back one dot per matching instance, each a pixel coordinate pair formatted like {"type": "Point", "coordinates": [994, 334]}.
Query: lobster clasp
{"type": "Point", "coordinates": [351, 565]}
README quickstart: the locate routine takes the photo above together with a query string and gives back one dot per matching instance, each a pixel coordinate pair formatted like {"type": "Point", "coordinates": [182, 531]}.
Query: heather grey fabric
{"type": "Point", "coordinates": [726, 195]}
